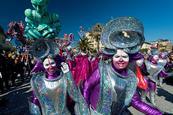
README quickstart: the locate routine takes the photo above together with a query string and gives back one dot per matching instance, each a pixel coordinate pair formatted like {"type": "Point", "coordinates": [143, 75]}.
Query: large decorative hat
{"type": "Point", "coordinates": [123, 32]}
{"type": "Point", "coordinates": [44, 47]}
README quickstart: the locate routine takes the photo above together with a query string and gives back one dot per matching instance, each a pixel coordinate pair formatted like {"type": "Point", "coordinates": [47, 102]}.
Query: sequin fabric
{"type": "Point", "coordinates": [153, 70]}
{"type": "Point", "coordinates": [34, 109]}
{"type": "Point", "coordinates": [120, 24]}
{"type": "Point", "coordinates": [52, 94]}
{"type": "Point", "coordinates": [43, 47]}
{"type": "Point", "coordinates": [116, 91]}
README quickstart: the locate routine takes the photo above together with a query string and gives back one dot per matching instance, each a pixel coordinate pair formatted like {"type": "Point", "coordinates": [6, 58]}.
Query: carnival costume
{"type": "Point", "coordinates": [82, 67]}
{"type": "Point", "coordinates": [84, 63]}
{"type": "Point", "coordinates": [164, 63]}
{"type": "Point", "coordinates": [109, 91]}
{"type": "Point", "coordinates": [153, 69]}
{"type": "Point", "coordinates": [51, 88]}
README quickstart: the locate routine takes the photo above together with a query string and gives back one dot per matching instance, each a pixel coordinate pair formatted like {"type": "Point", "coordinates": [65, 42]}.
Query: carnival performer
{"type": "Point", "coordinates": [86, 60]}
{"type": "Point", "coordinates": [169, 66]}
{"type": "Point", "coordinates": [163, 61]}
{"type": "Point", "coordinates": [39, 22]}
{"type": "Point", "coordinates": [153, 68]}
{"type": "Point", "coordinates": [111, 89]}
{"type": "Point", "coordinates": [52, 85]}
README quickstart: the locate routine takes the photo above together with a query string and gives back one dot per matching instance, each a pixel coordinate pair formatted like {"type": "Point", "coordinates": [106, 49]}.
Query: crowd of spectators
{"type": "Point", "coordinates": [14, 69]}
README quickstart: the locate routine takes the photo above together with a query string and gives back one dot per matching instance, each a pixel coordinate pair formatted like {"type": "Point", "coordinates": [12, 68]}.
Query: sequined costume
{"type": "Point", "coordinates": [51, 94]}
{"type": "Point", "coordinates": [52, 82]}
{"type": "Point", "coordinates": [111, 102]}
{"type": "Point", "coordinates": [110, 90]}
{"type": "Point", "coordinates": [163, 62]}
{"type": "Point", "coordinates": [115, 90]}
{"type": "Point", "coordinates": [153, 69]}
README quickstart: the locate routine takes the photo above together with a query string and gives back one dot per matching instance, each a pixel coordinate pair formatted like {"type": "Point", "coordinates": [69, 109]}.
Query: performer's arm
{"type": "Point", "coordinates": [90, 83]}
{"type": "Point", "coordinates": [143, 107]}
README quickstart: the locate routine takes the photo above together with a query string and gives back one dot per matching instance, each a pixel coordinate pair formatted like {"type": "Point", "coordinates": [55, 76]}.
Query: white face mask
{"type": "Point", "coordinates": [48, 62]}
{"type": "Point", "coordinates": [121, 55]}
{"type": "Point", "coordinates": [120, 59]}
{"type": "Point", "coordinates": [156, 57]}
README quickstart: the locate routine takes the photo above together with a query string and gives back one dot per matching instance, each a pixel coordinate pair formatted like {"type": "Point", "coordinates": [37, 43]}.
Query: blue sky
{"type": "Point", "coordinates": [156, 15]}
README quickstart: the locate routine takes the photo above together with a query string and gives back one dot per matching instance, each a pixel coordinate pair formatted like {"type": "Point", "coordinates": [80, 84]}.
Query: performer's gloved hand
{"type": "Point", "coordinates": [64, 67]}
{"type": "Point", "coordinates": [140, 62]}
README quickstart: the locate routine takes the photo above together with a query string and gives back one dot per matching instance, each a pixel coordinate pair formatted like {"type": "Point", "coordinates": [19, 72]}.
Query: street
{"type": "Point", "coordinates": [15, 101]}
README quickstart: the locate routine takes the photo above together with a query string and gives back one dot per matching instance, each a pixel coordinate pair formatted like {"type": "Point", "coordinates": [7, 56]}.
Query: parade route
{"type": "Point", "coordinates": [164, 98]}
{"type": "Point", "coordinates": [15, 101]}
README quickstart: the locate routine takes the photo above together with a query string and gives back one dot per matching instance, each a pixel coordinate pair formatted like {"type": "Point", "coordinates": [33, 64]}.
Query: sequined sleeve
{"type": "Point", "coordinates": [34, 105]}
{"type": "Point", "coordinates": [81, 107]}
{"type": "Point", "coordinates": [130, 90]}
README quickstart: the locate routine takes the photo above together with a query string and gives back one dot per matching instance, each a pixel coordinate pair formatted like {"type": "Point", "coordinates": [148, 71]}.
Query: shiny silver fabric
{"type": "Point", "coordinates": [153, 70]}
{"type": "Point", "coordinates": [116, 90]}
{"type": "Point", "coordinates": [44, 47]}
{"type": "Point", "coordinates": [34, 109]}
{"type": "Point", "coordinates": [162, 62]}
{"type": "Point", "coordinates": [94, 112]}
{"type": "Point", "coordinates": [112, 34]}
{"type": "Point", "coordinates": [52, 94]}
